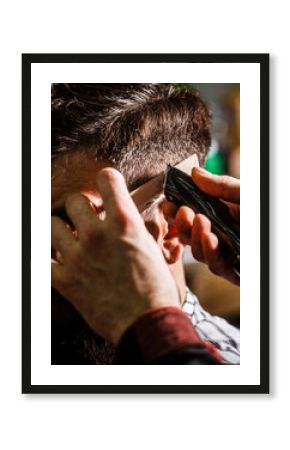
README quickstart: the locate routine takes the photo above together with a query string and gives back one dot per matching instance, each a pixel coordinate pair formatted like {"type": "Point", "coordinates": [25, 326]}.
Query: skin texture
{"type": "Point", "coordinates": [195, 229]}
{"type": "Point", "coordinates": [73, 341]}
{"type": "Point", "coordinates": [76, 173]}
{"type": "Point", "coordinates": [92, 280]}
{"type": "Point", "coordinates": [121, 237]}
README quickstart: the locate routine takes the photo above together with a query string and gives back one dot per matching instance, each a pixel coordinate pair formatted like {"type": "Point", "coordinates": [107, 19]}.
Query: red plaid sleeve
{"type": "Point", "coordinates": [161, 332]}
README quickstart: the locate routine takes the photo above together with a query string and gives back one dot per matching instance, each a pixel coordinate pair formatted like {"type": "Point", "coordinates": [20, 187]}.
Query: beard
{"type": "Point", "coordinates": [72, 340]}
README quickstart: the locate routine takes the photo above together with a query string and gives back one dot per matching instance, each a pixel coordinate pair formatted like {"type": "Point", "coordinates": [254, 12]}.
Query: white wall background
{"type": "Point", "coordinates": [74, 422]}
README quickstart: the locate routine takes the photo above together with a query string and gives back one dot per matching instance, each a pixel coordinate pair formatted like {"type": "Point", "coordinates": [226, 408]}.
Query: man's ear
{"type": "Point", "coordinates": [166, 236]}
{"type": "Point", "coordinates": [172, 247]}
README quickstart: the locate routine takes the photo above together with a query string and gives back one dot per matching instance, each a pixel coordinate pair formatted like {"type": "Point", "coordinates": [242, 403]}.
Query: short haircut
{"type": "Point", "coordinates": [136, 128]}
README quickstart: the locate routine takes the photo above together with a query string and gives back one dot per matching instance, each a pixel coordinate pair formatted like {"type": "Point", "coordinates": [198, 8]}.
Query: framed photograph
{"type": "Point", "coordinates": [166, 107]}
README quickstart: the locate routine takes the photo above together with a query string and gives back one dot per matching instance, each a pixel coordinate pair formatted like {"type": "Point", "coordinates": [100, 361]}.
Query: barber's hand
{"type": "Point", "coordinates": [195, 229]}
{"type": "Point", "coordinates": [111, 270]}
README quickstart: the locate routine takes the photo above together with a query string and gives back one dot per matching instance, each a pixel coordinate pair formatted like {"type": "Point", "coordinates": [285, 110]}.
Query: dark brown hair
{"type": "Point", "coordinates": [136, 128]}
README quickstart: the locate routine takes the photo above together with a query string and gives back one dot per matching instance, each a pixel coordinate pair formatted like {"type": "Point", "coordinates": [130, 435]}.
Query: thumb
{"type": "Point", "coordinates": [221, 186]}
{"type": "Point", "coordinates": [115, 195]}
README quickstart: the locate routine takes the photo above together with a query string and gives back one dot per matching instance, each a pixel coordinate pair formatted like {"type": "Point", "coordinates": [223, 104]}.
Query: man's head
{"type": "Point", "coordinates": [135, 128]}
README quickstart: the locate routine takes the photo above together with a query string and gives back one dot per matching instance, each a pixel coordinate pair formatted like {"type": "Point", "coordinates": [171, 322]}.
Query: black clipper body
{"type": "Point", "coordinates": [181, 190]}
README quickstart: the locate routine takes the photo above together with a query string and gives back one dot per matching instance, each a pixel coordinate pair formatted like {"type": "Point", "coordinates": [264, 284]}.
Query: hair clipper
{"type": "Point", "coordinates": [181, 190]}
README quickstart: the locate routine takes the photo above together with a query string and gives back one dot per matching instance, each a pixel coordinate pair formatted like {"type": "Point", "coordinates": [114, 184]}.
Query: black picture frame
{"type": "Point", "coordinates": [263, 61]}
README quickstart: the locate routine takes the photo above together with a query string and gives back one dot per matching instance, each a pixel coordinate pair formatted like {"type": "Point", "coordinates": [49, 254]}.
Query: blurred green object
{"type": "Point", "coordinates": [215, 161]}
{"type": "Point", "coordinates": [183, 87]}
